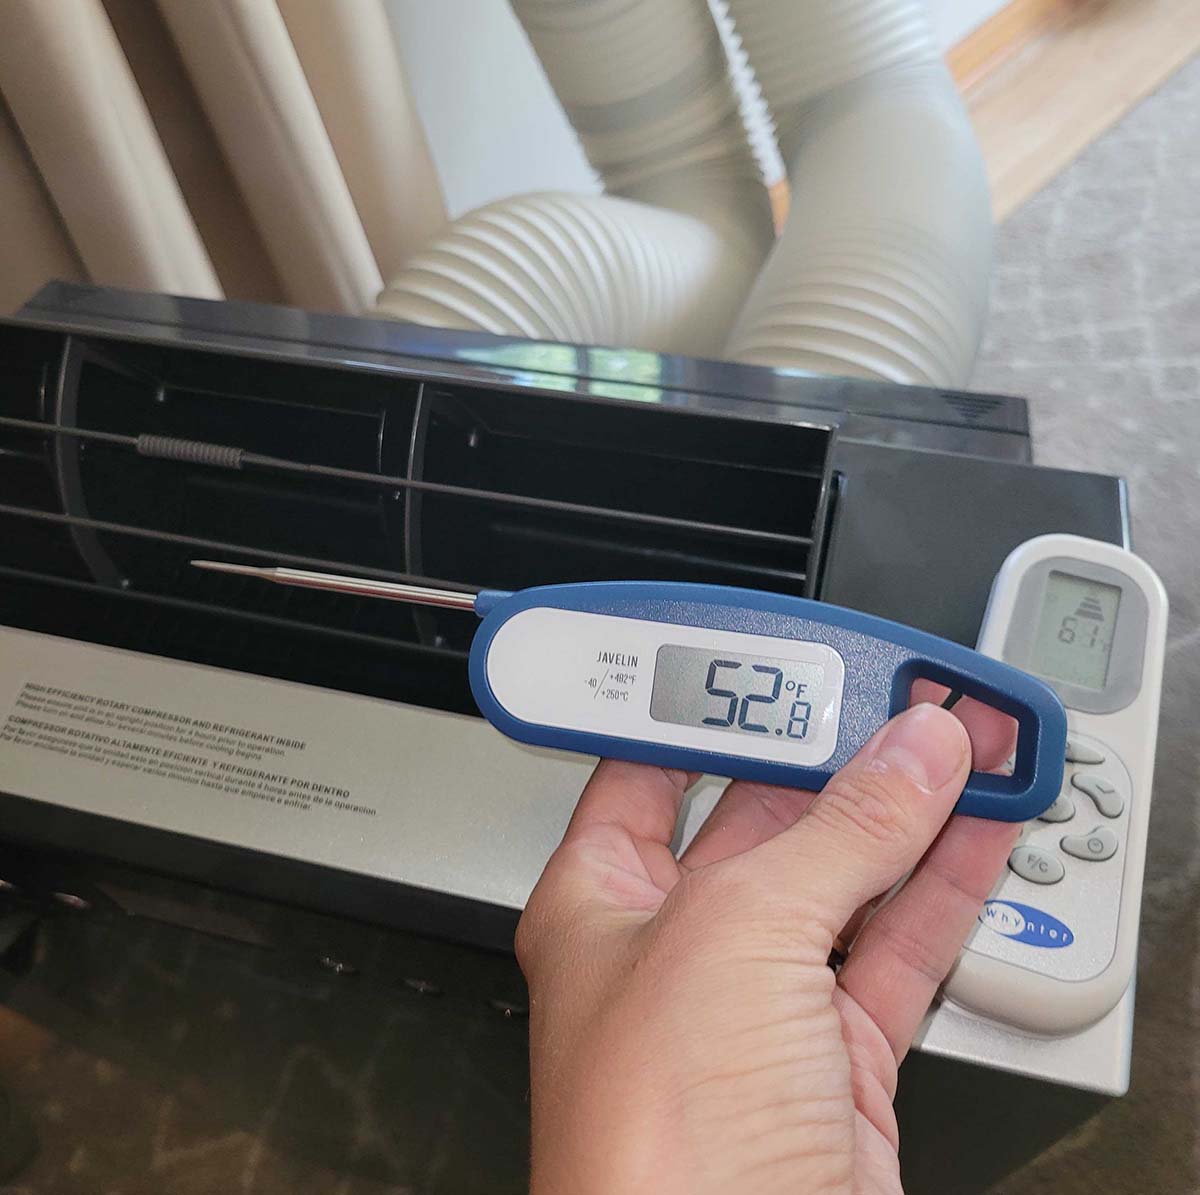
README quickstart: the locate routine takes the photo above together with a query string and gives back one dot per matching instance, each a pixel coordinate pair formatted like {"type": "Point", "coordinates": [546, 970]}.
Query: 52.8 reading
{"type": "Point", "coordinates": [743, 707]}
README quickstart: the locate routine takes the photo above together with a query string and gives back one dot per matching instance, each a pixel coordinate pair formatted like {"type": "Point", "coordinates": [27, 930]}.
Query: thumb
{"type": "Point", "coordinates": [873, 821]}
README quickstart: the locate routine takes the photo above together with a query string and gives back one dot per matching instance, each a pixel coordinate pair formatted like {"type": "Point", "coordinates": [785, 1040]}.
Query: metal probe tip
{"type": "Point", "coordinates": [243, 570]}
{"type": "Point", "coordinates": [389, 591]}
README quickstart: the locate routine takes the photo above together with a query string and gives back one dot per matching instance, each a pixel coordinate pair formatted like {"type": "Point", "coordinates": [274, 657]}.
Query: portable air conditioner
{"type": "Point", "coordinates": [306, 770]}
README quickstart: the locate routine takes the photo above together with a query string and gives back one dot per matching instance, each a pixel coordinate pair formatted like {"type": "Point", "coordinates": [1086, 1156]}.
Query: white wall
{"type": "Point", "coordinates": [495, 127]}
{"type": "Point", "coordinates": [954, 19]}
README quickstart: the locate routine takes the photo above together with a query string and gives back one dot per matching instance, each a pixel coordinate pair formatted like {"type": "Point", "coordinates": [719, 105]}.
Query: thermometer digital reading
{"type": "Point", "coordinates": [731, 682]}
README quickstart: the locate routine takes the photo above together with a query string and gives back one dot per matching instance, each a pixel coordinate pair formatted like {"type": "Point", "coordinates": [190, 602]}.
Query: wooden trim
{"type": "Point", "coordinates": [1083, 67]}
{"type": "Point", "coordinates": [1005, 34]}
{"type": "Point", "coordinates": [1049, 103]}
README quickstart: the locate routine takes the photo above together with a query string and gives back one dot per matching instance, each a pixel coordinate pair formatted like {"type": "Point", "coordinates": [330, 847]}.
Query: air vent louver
{"type": "Point", "coordinates": [119, 462]}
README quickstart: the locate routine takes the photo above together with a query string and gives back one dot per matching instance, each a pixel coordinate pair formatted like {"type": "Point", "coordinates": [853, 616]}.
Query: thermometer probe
{"type": "Point", "coordinates": [732, 682]}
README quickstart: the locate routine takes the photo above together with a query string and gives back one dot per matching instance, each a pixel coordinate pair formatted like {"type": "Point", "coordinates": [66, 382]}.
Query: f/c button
{"type": "Point", "coordinates": [1036, 865]}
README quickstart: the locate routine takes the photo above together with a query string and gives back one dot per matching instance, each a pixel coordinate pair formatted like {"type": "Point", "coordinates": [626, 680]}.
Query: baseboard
{"type": "Point", "coordinates": [1004, 35]}
{"type": "Point", "coordinates": [1045, 78]}
{"type": "Point", "coordinates": [1040, 108]}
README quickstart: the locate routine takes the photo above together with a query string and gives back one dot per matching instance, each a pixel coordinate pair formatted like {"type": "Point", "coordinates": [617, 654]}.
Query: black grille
{"type": "Point", "coordinates": [103, 505]}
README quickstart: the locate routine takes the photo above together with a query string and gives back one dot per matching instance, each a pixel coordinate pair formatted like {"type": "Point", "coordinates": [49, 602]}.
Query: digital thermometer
{"type": "Point", "coordinates": [731, 682]}
{"type": "Point", "coordinates": [1056, 944]}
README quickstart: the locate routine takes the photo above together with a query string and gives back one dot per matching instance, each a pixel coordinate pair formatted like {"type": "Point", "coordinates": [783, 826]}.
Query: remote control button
{"type": "Point", "coordinates": [1097, 846]}
{"type": "Point", "coordinates": [1036, 865]}
{"type": "Point", "coordinates": [1062, 810]}
{"type": "Point", "coordinates": [1107, 799]}
{"type": "Point", "coordinates": [1078, 752]}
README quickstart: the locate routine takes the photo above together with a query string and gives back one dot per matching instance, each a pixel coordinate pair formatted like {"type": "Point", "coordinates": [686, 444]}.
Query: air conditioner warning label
{"type": "Point", "coordinates": [392, 790]}
{"type": "Point", "coordinates": [172, 746]}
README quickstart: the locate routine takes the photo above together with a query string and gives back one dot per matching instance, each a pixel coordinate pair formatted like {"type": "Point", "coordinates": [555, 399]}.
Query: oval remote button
{"type": "Point", "coordinates": [1107, 799]}
{"type": "Point", "coordinates": [1036, 865]}
{"type": "Point", "coordinates": [1095, 847]}
{"type": "Point", "coordinates": [1062, 810]}
{"type": "Point", "coordinates": [1078, 752]}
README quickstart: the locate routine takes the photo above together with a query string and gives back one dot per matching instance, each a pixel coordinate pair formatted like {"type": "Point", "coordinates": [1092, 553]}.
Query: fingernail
{"type": "Point", "coordinates": [927, 744]}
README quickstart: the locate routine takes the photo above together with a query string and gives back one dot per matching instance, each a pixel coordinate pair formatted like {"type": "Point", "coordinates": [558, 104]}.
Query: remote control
{"type": "Point", "coordinates": [1056, 944]}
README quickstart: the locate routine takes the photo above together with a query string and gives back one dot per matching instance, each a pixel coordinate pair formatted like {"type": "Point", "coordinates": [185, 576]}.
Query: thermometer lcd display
{"type": "Point", "coordinates": [1075, 631]}
{"type": "Point", "coordinates": [726, 690]}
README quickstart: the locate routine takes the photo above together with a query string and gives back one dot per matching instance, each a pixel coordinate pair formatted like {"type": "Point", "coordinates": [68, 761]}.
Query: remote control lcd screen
{"type": "Point", "coordinates": [1075, 631]}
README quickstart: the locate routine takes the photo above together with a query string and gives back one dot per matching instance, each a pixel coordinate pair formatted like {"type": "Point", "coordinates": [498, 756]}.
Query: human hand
{"type": "Point", "coordinates": [687, 1033]}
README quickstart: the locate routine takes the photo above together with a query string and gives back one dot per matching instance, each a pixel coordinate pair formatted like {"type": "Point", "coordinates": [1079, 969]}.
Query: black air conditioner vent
{"type": "Point", "coordinates": [121, 462]}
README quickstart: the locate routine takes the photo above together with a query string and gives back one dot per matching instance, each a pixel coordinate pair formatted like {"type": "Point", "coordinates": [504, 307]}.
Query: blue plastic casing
{"type": "Point", "coordinates": [882, 660]}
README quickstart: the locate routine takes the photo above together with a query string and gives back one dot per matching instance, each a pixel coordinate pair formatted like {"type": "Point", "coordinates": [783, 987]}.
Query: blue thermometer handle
{"type": "Point", "coordinates": [881, 658]}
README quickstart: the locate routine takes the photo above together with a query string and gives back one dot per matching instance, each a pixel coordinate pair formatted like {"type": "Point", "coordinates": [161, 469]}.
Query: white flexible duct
{"type": "Point", "coordinates": [646, 85]}
{"type": "Point", "coordinates": [882, 269]}
{"type": "Point", "coordinates": [589, 269]}
{"type": "Point", "coordinates": [666, 258]}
